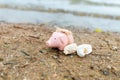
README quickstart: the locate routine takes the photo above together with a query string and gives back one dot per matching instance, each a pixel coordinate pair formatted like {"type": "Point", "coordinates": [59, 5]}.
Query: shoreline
{"type": "Point", "coordinates": [62, 19]}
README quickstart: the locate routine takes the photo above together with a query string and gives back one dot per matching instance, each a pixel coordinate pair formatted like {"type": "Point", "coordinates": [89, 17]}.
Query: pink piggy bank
{"type": "Point", "coordinates": [60, 39]}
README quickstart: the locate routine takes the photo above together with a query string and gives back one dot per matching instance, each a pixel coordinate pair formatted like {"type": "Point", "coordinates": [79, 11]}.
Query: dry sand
{"type": "Point", "coordinates": [24, 55]}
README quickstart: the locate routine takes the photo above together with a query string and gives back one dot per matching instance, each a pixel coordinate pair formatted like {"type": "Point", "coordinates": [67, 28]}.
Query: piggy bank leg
{"type": "Point", "coordinates": [61, 48]}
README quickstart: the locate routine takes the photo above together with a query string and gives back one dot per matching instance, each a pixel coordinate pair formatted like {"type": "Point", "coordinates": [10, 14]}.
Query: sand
{"type": "Point", "coordinates": [24, 55]}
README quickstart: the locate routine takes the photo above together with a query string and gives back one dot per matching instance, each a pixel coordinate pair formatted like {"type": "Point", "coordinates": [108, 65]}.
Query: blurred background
{"type": "Point", "coordinates": [102, 14]}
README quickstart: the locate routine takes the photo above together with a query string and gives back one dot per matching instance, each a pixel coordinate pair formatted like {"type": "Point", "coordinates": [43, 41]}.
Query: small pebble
{"type": "Point", "coordinates": [71, 56]}
{"type": "Point", "coordinates": [115, 68]}
{"type": "Point", "coordinates": [54, 56]}
{"type": "Point", "coordinates": [67, 78]}
{"type": "Point", "coordinates": [91, 67]}
{"type": "Point", "coordinates": [114, 48]}
{"type": "Point", "coordinates": [1, 59]}
{"type": "Point", "coordinates": [42, 60]}
{"type": "Point", "coordinates": [54, 75]}
{"type": "Point", "coordinates": [109, 67]}
{"type": "Point", "coordinates": [1, 65]}
{"type": "Point", "coordinates": [35, 29]}
{"type": "Point", "coordinates": [108, 58]}
{"type": "Point", "coordinates": [105, 72]}
{"type": "Point", "coordinates": [98, 30]}
{"type": "Point", "coordinates": [42, 51]}
{"type": "Point", "coordinates": [60, 52]}
{"type": "Point", "coordinates": [25, 53]}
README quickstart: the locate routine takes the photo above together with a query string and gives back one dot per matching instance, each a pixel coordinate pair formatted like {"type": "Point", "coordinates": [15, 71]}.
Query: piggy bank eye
{"type": "Point", "coordinates": [55, 38]}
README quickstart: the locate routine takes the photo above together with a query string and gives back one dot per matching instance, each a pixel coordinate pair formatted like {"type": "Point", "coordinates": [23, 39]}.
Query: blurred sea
{"type": "Point", "coordinates": [103, 14]}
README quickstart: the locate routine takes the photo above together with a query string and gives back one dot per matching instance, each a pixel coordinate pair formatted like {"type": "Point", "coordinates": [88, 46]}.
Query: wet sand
{"type": "Point", "coordinates": [24, 55]}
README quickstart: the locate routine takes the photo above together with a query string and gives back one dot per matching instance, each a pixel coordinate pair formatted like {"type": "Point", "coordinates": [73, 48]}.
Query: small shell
{"type": "Point", "coordinates": [71, 48]}
{"type": "Point", "coordinates": [84, 49]}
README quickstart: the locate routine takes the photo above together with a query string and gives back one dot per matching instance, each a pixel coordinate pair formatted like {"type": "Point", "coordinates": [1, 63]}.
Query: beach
{"type": "Point", "coordinates": [25, 56]}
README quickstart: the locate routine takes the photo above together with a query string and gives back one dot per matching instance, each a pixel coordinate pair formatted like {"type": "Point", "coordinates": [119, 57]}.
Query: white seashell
{"type": "Point", "coordinates": [84, 49]}
{"type": "Point", "coordinates": [71, 48]}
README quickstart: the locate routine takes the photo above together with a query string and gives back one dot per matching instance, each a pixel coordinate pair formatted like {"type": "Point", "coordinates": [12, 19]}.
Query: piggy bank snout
{"type": "Point", "coordinates": [48, 43]}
